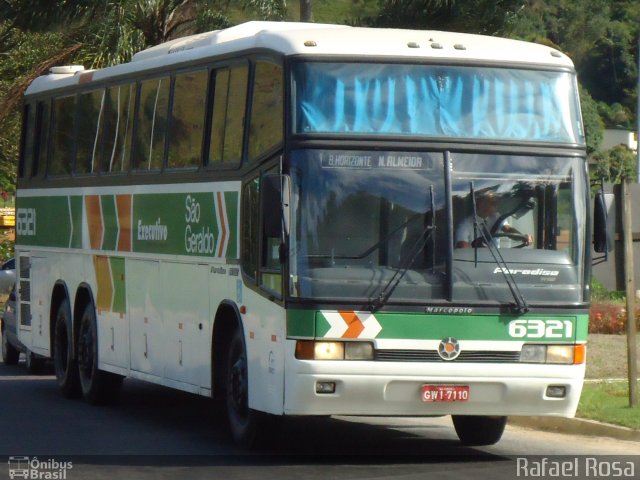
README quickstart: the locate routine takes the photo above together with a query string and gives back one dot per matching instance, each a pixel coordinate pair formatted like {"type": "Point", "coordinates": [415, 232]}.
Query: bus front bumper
{"type": "Point", "coordinates": [395, 388]}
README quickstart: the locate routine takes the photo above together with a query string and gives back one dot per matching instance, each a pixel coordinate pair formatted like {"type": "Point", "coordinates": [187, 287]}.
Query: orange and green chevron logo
{"type": "Point", "coordinates": [111, 290]}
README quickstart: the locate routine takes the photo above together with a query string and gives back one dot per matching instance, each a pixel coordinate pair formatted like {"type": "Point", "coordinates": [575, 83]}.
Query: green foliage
{"type": "Point", "coordinates": [6, 248]}
{"type": "Point", "coordinates": [615, 164]}
{"type": "Point", "coordinates": [21, 52]}
{"type": "Point", "coordinates": [593, 124]}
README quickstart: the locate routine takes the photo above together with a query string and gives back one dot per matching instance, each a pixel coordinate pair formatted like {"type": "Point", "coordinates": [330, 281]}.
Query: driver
{"type": "Point", "coordinates": [487, 209]}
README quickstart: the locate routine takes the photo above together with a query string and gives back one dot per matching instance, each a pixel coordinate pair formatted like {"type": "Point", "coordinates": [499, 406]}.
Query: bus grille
{"type": "Point", "coordinates": [478, 356]}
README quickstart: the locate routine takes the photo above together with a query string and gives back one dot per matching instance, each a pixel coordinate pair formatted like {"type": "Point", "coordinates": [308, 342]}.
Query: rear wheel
{"type": "Point", "coordinates": [35, 364]}
{"type": "Point", "coordinates": [479, 430]}
{"type": "Point", "coordinates": [10, 354]}
{"type": "Point", "coordinates": [64, 364]}
{"type": "Point", "coordinates": [98, 386]}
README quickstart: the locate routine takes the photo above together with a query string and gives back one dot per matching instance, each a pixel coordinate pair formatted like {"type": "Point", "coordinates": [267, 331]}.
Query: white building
{"type": "Point", "coordinates": [613, 137]}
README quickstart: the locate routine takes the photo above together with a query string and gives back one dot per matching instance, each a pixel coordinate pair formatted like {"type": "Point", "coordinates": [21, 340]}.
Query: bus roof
{"type": "Point", "coordinates": [292, 38]}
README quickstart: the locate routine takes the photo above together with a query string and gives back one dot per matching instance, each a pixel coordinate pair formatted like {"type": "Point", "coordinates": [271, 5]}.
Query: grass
{"type": "Point", "coordinates": [608, 401]}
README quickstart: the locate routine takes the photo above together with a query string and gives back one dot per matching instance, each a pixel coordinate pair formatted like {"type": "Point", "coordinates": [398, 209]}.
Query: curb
{"type": "Point", "coordinates": [576, 426]}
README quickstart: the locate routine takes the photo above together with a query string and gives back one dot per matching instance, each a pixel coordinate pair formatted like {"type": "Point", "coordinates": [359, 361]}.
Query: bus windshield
{"type": "Point", "coordinates": [481, 103]}
{"type": "Point", "coordinates": [360, 217]}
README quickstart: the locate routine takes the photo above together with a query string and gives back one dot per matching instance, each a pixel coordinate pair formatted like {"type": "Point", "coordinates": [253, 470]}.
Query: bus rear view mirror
{"type": "Point", "coordinates": [602, 238]}
{"type": "Point", "coordinates": [275, 205]}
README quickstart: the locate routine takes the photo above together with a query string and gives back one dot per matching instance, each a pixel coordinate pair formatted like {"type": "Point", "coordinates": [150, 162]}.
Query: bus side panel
{"type": "Point", "coordinates": [264, 330]}
{"type": "Point", "coordinates": [106, 276]}
{"type": "Point", "coordinates": [145, 317]}
{"type": "Point", "coordinates": [185, 307]}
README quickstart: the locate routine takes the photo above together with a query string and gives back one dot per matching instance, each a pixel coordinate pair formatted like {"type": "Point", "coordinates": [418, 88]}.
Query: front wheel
{"type": "Point", "coordinates": [479, 430]}
{"type": "Point", "coordinates": [98, 387]}
{"type": "Point", "coordinates": [244, 423]}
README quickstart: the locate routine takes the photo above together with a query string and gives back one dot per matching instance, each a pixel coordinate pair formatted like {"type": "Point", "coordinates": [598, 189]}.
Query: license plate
{"type": "Point", "coordinates": [445, 393]}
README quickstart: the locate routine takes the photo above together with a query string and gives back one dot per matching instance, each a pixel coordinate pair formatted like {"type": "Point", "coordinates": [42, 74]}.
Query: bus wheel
{"type": "Point", "coordinates": [64, 364]}
{"type": "Point", "coordinates": [98, 387]}
{"type": "Point", "coordinates": [10, 355]}
{"type": "Point", "coordinates": [35, 364]}
{"type": "Point", "coordinates": [479, 430]}
{"type": "Point", "coordinates": [243, 422]}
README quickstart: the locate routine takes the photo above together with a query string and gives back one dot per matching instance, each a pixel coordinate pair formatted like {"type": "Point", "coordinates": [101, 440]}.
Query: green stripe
{"type": "Point", "coordinates": [231, 200]}
{"type": "Point", "coordinates": [50, 218]}
{"type": "Point", "coordinates": [76, 203]}
{"type": "Point", "coordinates": [419, 326]}
{"type": "Point", "coordinates": [301, 323]}
{"type": "Point", "coordinates": [110, 222]}
{"type": "Point", "coordinates": [119, 284]}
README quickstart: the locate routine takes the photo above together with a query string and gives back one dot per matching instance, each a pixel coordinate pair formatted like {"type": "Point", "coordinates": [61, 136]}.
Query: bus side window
{"type": "Point", "coordinates": [250, 218]}
{"type": "Point", "coordinates": [151, 126]}
{"type": "Point", "coordinates": [227, 123]}
{"type": "Point", "coordinates": [118, 127]}
{"type": "Point", "coordinates": [27, 140]}
{"type": "Point", "coordinates": [187, 119]}
{"type": "Point", "coordinates": [266, 127]}
{"type": "Point", "coordinates": [41, 147]}
{"type": "Point", "coordinates": [89, 139]}
{"type": "Point", "coordinates": [63, 135]}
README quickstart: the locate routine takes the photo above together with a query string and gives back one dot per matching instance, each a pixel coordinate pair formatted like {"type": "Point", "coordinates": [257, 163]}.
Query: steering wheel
{"type": "Point", "coordinates": [517, 237]}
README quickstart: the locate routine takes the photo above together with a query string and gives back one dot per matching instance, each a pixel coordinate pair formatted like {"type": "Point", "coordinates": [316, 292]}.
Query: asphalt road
{"type": "Point", "coordinates": [157, 433]}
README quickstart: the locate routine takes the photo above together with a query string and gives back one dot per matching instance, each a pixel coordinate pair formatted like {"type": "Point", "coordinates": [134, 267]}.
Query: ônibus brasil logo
{"type": "Point", "coordinates": [33, 468]}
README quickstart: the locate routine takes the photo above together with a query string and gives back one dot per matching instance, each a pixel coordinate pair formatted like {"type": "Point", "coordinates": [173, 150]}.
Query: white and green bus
{"type": "Point", "coordinates": [275, 213]}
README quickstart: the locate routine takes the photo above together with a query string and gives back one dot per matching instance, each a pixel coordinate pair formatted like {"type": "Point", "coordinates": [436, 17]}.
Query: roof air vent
{"type": "Point", "coordinates": [66, 70]}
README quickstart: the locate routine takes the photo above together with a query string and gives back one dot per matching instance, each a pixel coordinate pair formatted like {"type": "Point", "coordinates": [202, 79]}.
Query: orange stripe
{"type": "Point", "coordinates": [223, 234]}
{"type": "Point", "coordinates": [123, 205]}
{"type": "Point", "coordinates": [94, 220]}
{"type": "Point", "coordinates": [355, 325]}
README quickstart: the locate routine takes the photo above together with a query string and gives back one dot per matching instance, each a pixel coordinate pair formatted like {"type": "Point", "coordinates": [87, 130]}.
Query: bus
{"type": "Point", "coordinates": [272, 214]}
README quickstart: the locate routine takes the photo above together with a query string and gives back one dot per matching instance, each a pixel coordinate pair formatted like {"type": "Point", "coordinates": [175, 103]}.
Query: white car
{"type": "Point", "coordinates": [7, 275]}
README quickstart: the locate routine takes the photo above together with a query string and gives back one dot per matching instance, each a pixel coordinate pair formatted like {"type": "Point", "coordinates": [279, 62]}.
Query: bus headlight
{"type": "Point", "coordinates": [533, 354]}
{"type": "Point", "coordinates": [555, 354]}
{"type": "Point", "coordinates": [560, 354]}
{"type": "Point", "coordinates": [313, 350]}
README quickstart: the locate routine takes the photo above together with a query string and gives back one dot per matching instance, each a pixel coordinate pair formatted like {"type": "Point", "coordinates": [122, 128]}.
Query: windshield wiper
{"type": "Point", "coordinates": [401, 271]}
{"type": "Point", "coordinates": [479, 225]}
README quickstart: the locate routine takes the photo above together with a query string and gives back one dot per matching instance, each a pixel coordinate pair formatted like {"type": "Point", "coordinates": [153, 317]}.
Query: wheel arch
{"type": "Point", "coordinates": [226, 321]}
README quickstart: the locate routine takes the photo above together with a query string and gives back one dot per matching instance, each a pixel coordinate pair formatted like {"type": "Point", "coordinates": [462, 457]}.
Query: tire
{"type": "Point", "coordinates": [10, 354]}
{"type": "Point", "coordinates": [244, 423]}
{"type": "Point", "coordinates": [98, 387]}
{"type": "Point", "coordinates": [479, 430]}
{"type": "Point", "coordinates": [35, 364]}
{"type": "Point", "coordinates": [64, 363]}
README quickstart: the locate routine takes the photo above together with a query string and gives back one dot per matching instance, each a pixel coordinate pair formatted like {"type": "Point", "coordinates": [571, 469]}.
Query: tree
{"type": "Point", "coordinates": [616, 164]}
